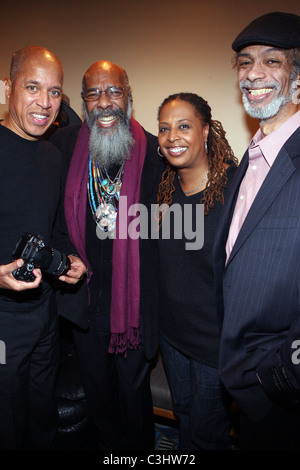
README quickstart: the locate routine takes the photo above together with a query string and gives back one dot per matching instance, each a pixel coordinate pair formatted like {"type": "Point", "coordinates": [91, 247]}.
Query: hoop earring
{"type": "Point", "coordinates": [160, 154]}
{"type": "Point", "coordinates": [205, 145]}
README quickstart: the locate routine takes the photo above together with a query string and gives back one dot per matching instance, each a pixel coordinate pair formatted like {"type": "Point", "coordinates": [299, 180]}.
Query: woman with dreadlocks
{"type": "Point", "coordinates": [199, 167]}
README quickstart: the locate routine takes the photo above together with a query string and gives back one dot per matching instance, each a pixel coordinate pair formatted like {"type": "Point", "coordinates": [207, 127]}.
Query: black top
{"type": "Point", "coordinates": [30, 191]}
{"type": "Point", "coordinates": [187, 307]}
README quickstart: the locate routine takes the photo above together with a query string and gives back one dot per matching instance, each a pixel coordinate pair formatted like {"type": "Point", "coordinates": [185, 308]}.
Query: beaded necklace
{"type": "Point", "coordinates": [104, 193]}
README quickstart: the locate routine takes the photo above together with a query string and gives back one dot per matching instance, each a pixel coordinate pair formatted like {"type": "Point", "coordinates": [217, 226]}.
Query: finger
{"type": "Point", "coordinates": [9, 268]}
{"type": "Point", "coordinates": [68, 279]}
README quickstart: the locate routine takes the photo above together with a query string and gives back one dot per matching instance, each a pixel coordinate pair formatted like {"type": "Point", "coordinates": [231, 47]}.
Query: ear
{"type": "Point", "coordinates": [8, 86]}
{"type": "Point", "coordinates": [206, 131]}
{"type": "Point", "coordinates": [296, 94]}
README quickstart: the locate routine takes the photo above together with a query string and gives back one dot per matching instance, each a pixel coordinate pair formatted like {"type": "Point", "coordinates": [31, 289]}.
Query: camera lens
{"type": "Point", "coordinates": [60, 264]}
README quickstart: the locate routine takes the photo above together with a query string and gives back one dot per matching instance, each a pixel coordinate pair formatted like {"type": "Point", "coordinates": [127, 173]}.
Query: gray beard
{"type": "Point", "coordinates": [110, 146]}
{"type": "Point", "coordinates": [271, 109]}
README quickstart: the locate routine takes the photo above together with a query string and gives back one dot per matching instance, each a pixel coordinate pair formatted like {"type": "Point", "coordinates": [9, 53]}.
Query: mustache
{"type": "Point", "coordinates": [107, 112]}
{"type": "Point", "coordinates": [96, 114]}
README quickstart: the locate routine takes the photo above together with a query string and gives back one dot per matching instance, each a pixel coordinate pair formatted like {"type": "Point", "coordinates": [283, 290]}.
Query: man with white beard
{"type": "Point", "coordinates": [113, 157]}
{"type": "Point", "coordinates": [257, 246]}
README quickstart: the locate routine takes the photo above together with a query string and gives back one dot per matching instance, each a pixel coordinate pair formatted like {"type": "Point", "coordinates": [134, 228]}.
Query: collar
{"type": "Point", "coordinates": [272, 143]}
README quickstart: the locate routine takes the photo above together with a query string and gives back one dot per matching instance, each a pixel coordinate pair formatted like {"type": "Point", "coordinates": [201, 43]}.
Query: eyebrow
{"type": "Point", "coordinates": [180, 120]}
{"type": "Point", "coordinates": [109, 86]}
{"type": "Point", "coordinates": [33, 82]}
{"type": "Point", "coordinates": [36, 82]}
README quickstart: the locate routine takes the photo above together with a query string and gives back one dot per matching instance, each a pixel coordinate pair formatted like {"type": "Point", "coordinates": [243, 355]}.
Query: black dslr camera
{"type": "Point", "coordinates": [34, 252]}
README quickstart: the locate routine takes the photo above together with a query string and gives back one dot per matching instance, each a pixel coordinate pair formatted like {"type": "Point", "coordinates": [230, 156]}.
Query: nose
{"type": "Point", "coordinates": [44, 100]}
{"type": "Point", "coordinates": [173, 135]}
{"type": "Point", "coordinates": [256, 71]}
{"type": "Point", "coordinates": [103, 101]}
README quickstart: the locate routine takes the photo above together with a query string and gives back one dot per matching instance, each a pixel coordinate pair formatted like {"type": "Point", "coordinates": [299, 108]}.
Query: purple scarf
{"type": "Point", "coordinates": [125, 297]}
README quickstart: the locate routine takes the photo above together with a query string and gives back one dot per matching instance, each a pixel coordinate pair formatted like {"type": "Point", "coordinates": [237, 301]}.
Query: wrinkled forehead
{"type": "Point", "coordinates": [100, 78]}
{"type": "Point", "coordinates": [261, 50]}
{"type": "Point", "coordinates": [35, 66]}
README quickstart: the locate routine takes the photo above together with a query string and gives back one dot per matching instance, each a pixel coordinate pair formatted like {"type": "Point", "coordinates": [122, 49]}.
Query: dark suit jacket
{"type": "Point", "coordinates": [258, 291]}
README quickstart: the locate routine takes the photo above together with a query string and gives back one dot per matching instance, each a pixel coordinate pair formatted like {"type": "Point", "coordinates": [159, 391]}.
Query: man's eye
{"type": "Point", "coordinates": [32, 88]}
{"type": "Point", "coordinates": [273, 62]}
{"type": "Point", "coordinates": [56, 93]}
{"type": "Point", "coordinates": [244, 63]}
{"type": "Point", "coordinates": [91, 95]}
{"type": "Point", "coordinates": [115, 93]}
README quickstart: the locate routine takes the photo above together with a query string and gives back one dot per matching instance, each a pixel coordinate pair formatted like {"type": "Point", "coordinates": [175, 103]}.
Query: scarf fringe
{"type": "Point", "coordinates": [120, 342]}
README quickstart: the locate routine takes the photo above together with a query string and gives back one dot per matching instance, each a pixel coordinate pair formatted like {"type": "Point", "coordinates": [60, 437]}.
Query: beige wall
{"type": "Point", "coordinates": [166, 46]}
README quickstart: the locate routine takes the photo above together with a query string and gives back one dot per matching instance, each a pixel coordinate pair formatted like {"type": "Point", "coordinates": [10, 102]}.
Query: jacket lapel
{"type": "Point", "coordinates": [227, 211]}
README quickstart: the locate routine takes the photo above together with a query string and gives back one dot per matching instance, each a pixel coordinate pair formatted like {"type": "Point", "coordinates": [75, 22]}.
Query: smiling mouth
{"type": "Point", "coordinates": [260, 91]}
{"type": "Point", "coordinates": [106, 121]}
{"type": "Point", "coordinates": [40, 118]}
{"type": "Point", "coordinates": [257, 95]}
{"type": "Point", "coordinates": [176, 150]}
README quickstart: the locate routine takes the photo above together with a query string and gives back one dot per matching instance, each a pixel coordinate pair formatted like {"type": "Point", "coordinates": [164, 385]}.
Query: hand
{"type": "Point", "coordinates": [76, 272]}
{"type": "Point", "coordinates": [7, 280]}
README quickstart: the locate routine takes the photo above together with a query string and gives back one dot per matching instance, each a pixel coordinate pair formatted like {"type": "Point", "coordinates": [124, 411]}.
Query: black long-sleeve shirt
{"type": "Point", "coordinates": [187, 307]}
{"type": "Point", "coordinates": [30, 195]}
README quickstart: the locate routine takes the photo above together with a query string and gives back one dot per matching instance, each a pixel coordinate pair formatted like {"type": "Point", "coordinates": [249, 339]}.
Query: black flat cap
{"type": "Point", "coordinates": [275, 29]}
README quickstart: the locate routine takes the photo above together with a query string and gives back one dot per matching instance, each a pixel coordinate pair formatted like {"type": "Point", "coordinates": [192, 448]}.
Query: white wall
{"type": "Point", "coordinates": [166, 46]}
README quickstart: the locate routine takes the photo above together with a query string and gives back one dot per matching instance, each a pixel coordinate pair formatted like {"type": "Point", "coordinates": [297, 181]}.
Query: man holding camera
{"type": "Point", "coordinates": [30, 194]}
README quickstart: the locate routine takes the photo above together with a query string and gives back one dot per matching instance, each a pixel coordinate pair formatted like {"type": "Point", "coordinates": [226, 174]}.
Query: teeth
{"type": "Point", "coordinates": [107, 118]}
{"type": "Point", "coordinates": [39, 116]}
{"type": "Point", "coordinates": [262, 91]}
{"type": "Point", "coordinates": [177, 149]}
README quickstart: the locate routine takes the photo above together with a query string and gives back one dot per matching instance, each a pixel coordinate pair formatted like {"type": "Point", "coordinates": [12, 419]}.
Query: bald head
{"type": "Point", "coordinates": [28, 53]}
{"type": "Point", "coordinates": [103, 68]}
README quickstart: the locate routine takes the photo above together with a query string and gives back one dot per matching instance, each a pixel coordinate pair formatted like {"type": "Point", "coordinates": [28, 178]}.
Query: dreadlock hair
{"type": "Point", "coordinates": [218, 152]}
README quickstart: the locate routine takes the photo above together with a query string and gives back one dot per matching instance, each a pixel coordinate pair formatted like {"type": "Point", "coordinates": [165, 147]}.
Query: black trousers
{"type": "Point", "coordinates": [28, 412]}
{"type": "Point", "coordinates": [117, 389]}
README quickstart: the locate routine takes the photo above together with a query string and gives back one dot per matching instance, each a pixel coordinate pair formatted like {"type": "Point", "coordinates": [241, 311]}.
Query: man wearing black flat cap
{"type": "Point", "coordinates": [257, 247]}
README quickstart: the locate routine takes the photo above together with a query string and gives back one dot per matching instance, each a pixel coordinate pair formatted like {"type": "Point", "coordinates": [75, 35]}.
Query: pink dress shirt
{"type": "Point", "coordinates": [262, 154]}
